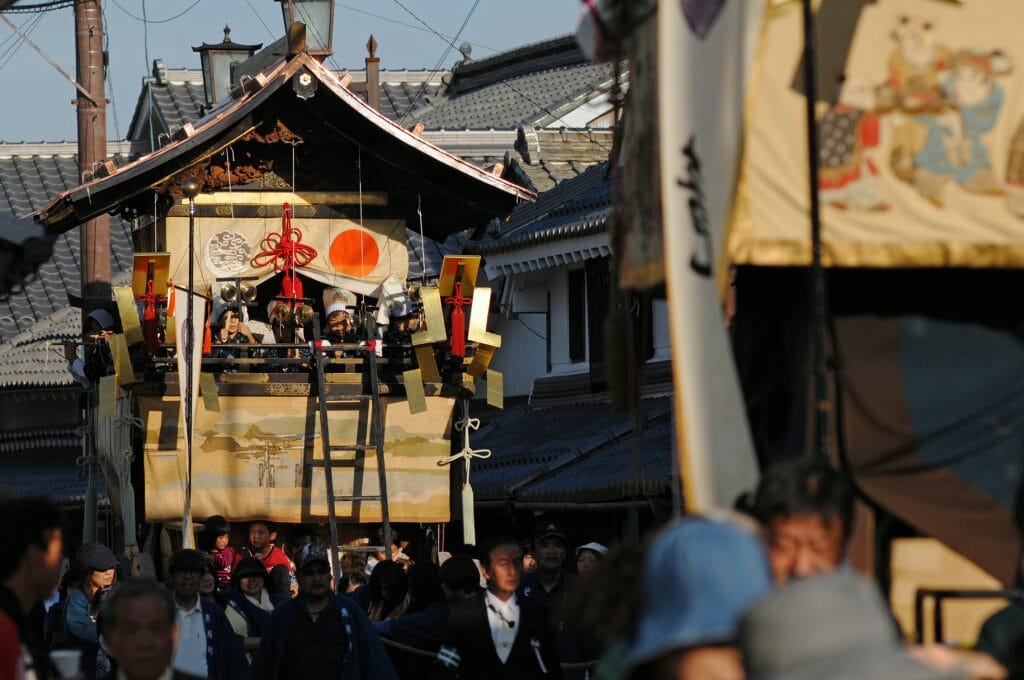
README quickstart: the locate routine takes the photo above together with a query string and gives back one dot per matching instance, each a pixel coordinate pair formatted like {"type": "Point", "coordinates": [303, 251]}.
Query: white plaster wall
{"type": "Point", "coordinates": [523, 354]}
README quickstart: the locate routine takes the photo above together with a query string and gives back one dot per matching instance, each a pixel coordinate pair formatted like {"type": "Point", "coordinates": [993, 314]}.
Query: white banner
{"type": "Point", "coordinates": [189, 392]}
{"type": "Point", "coordinates": [705, 49]}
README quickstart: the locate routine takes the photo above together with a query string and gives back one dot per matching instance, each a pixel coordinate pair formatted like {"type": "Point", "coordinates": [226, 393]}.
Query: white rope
{"type": "Point", "coordinates": [423, 241]}
{"type": "Point", "coordinates": [359, 171]}
{"type": "Point", "coordinates": [228, 155]}
{"type": "Point", "coordinates": [468, 453]}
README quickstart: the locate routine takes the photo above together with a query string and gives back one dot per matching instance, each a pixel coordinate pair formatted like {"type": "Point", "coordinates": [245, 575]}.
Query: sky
{"type": "Point", "coordinates": [36, 100]}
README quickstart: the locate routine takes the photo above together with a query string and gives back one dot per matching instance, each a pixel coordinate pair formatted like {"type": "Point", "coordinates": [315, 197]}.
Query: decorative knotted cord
{"type": "Point", "coordinates": [458, 335]}
{"type": "Point", "coordinates": [286, 251]}
{"type": "Point", "coordinates": [150, 327]}
{"type": "Point", "coordinates": [467, 454]}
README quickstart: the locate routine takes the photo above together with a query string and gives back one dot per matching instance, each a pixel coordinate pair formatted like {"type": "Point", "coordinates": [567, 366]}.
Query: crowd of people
{"type": "Point", "coordinates": [280, 338]}
{"type": "Point", "coordinates": [761, 592]}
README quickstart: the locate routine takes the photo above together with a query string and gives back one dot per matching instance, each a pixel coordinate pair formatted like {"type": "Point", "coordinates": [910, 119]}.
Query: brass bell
{"type": "Point", "coordinates": [248, 293]}
{"type": "Point", "coordinates": [282, 313]}
{"type": "Point", "coordinates": [303, 314]}
{"type": "Point", "coordinates": [229, 292]}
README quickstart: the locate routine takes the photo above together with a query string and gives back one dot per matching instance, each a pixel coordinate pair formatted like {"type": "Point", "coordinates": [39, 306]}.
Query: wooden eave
{"type": "Point", "coordinates": [455, 194]}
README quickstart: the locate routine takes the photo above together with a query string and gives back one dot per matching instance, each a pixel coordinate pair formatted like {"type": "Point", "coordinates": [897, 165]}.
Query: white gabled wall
{"type": "Point", "coordinates": [524, 351]}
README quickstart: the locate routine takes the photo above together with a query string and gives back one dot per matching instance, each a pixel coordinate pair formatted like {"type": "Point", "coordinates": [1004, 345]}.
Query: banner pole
{"type": "Point", "coordinates": [190, 188]}
{"type": "Point", "coordinates": [822, 403]}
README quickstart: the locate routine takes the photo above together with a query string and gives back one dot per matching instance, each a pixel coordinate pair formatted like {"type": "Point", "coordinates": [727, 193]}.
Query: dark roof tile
{"type": "Point", "coordinates": [575, 207]}
{"type": "Point", "coordinates": [47, 465]}
{"type": "Point", "coordinates": [27, 183]}
{"type": "Point", "coordinates": [537, 453]}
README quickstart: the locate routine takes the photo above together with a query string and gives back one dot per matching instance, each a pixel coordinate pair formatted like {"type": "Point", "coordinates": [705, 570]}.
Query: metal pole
{"type": "Point", "coordinates": [190, 189]}
{"type": "Point", "coordinates": [822, 404]}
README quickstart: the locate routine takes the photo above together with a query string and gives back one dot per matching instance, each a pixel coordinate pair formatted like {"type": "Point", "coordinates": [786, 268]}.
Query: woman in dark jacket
{"type": "Point", "coordinates": [95, 564]}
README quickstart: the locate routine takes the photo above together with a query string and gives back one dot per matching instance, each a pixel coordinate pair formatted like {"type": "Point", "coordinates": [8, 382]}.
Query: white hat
{"type": "Point", "coordinates": [338, 299]}
{"type": "Point", "coordinates": [596, 547]}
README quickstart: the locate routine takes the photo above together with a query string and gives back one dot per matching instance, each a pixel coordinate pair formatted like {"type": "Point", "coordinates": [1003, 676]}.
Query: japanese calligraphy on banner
{"type": "Point", "coordinates": [704, 52]}
{"type": "Point", "coordinates": [921, 135]}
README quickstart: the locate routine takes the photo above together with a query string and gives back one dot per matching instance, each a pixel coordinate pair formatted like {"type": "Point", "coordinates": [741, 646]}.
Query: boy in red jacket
{"type": "Point", "coordinates": [262, 535]}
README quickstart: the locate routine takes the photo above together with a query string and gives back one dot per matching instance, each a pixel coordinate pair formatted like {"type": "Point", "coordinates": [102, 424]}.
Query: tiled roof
{"type": "Point", "coordinates": [533, 85]}
{"type": "Point", "coordinates": [583, 451]}
{"type": "Point", "coordinates": [426, 255]}
{"type": "Point", "coordinates": [178, 95]}
{"type": "Point", "coordinates": [30, 176]}
{"type": "Point", "coordinates": [48, 468]}
{"type": "Point", "coordinates": [576, 207]}
{"type": "Point", "coordinates": [35, 356]}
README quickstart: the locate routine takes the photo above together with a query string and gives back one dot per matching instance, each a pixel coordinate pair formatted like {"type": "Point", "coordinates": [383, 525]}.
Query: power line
{"type": "Point", "coordinates": [437, 67]}
{"type": "Point", "coordinates": [447, 39]}
{"type": "Point", "coordinates": [425, 24]}
{"type": "Point", "coordinates": [145, 20]}
{"type": "Point", "coordinates": [13, 48]}
{"type": "Point", "coordinates": [269, 32]}
{"type": "Point", "coordinates": [108, 79]}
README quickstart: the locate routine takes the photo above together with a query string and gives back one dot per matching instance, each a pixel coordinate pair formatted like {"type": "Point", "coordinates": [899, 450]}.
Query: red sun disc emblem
{"type": "Point", "coordinates": [354, 253]}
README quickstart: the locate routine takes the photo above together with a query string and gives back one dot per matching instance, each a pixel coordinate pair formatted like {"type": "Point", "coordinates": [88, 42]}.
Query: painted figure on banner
{"type": "Point", "coordinates": [912, 87]}
{"type": "Point", "coordinates": [949, 99]}
{"type": "Point", "coordinates": [915, 68]}
{"type": "Point", "coordinates": [954, 148]}
{"type": "Point", "coordinates": [849, 131]}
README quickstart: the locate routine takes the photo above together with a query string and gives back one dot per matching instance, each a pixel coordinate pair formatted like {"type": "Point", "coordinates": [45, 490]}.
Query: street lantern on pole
{"type": "Point", "coordinates": [318, 17]}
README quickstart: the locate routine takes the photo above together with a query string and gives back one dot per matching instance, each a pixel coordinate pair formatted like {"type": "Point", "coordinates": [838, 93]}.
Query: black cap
{"type": "Point", "coordinates": [310, 553]}
{"type": "Point", "coordinates": [549, 529]}
{"type": "Point", "coordinates": [95, 557]}
{"type": "Point", "coordinates": [187, 560]}
{"type": "Point", "coordinates": [248, 566]}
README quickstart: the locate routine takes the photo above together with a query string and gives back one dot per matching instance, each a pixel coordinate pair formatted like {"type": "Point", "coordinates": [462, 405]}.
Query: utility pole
{"type": "Point", "coordinates": [92, 142]}
{"type": "Point", "coordinates": [92, 148]}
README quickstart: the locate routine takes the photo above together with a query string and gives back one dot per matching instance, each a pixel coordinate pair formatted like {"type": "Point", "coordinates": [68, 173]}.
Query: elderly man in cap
{"type": "Point", "coordinates": [548, 584]}
{"type": "Point", "coordinates": [319, 634]}
{"type": "Point", "coordinates": [207, 646]}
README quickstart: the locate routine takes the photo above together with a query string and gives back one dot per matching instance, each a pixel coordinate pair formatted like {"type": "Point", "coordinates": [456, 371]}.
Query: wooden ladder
{"type": "Point", "coordinates": [325, 401]}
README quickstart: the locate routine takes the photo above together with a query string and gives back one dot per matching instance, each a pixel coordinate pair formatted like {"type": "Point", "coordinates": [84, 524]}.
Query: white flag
{"type": "Point", "coordinates": [189, 394]}
{"type": "Point", "coordinates": [705, 50]}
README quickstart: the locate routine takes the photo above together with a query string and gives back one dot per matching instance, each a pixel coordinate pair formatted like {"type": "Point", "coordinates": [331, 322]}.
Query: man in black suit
{"type": "Point", "coordinates": [496, 635]}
